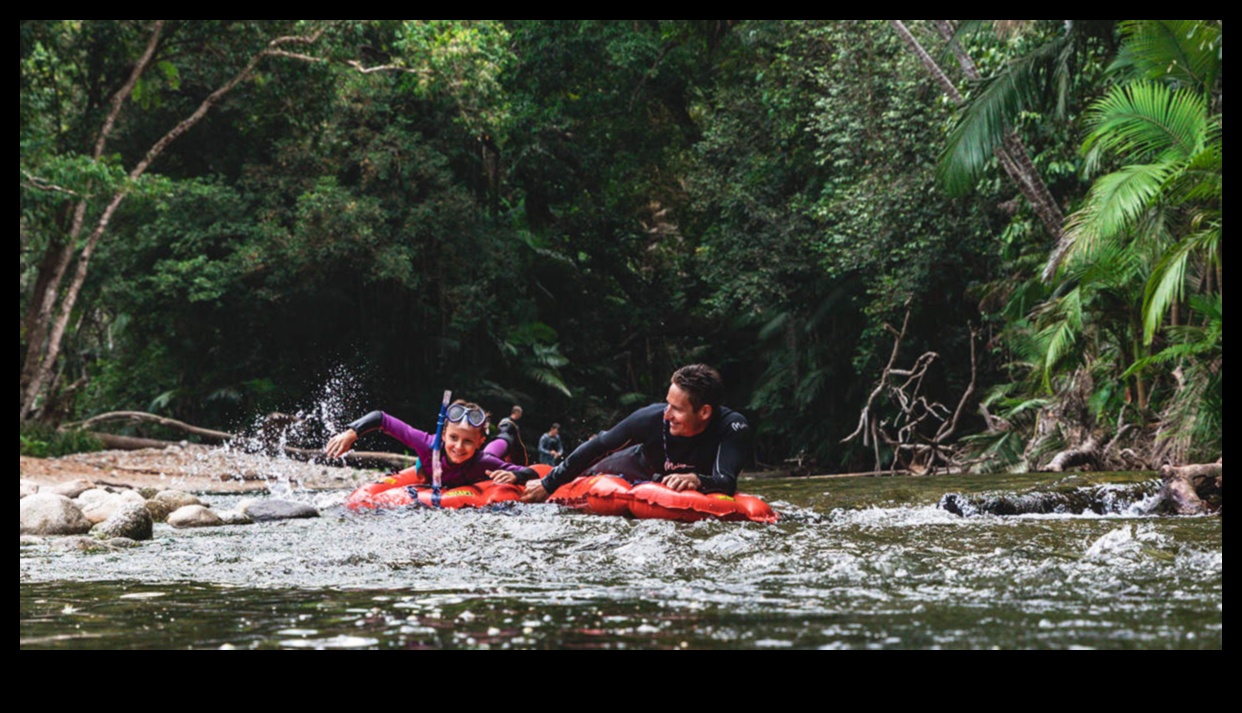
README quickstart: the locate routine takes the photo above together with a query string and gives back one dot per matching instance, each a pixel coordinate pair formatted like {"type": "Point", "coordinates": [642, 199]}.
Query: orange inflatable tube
{"type": "Point", "coordinates": [653, 500]}
{"type": "Point", "coordinates": [598, 494]}
{"type": "Point", "coordinates": [409, 487]}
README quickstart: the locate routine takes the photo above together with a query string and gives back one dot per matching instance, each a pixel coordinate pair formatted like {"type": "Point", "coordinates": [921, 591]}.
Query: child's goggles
{"type": "Point", "coordinates": [473, 415]}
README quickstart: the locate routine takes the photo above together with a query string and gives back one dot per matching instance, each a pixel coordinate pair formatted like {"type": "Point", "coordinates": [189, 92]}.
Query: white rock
{"type": "Point", "coordinates": [194, 516]}
{"type": "Point", "coordinates": [51, 514]}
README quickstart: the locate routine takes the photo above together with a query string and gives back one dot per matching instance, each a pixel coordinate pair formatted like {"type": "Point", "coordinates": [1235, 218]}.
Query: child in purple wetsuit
{"type": "Point", "coordinates": [461, 457]}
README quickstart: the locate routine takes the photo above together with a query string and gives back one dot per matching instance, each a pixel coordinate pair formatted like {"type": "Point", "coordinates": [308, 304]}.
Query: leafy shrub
{"type": "Point", "coordinates": [47, 442]}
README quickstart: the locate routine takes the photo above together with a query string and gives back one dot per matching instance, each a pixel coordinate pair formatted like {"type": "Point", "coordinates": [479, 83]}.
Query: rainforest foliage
{"type": "Point", "coordinates": [219, 219]}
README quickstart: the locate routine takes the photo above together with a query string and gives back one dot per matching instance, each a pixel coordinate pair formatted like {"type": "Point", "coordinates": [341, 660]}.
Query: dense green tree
{"type": "Point", "coordinates": [1087, 326]}
{"type": "Point", "coordinates": [1161, 213]}
{"type": "Point", "coordinates": [816, 197]}
{"type": "Point", "coordinates": [73, 183]}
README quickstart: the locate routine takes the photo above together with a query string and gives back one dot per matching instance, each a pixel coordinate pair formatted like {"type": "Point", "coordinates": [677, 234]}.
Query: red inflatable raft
{"type": "Point", "coordinates": [409, 487]}
{"type": "Point", "coordinates": [610, 495]}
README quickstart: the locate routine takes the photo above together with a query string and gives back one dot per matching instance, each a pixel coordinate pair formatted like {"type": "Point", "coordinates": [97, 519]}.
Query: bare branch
{"type": "Point", "coordinates": [301, 57]}
{"type": "Point", "coordinates": [386, 68]}
{"type": "Point", "coordinates": [906, 434]}
{"type": "Point", "coordinates": [127, 88]}
{"type": "Point", "coordinates": [862, 418]}
{"type": "Point", "coordinates": [142, 416]}
{"type": "Point", "coordinates": [295, 55]}
{"type": "Point", "coordinates": [42, 184]}
{"type": "Point", "coordinates": [947, 429]}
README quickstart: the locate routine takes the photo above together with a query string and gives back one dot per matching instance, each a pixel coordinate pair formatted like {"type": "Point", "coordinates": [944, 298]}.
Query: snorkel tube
{"type": "Point", "coordinates": [436, 466]}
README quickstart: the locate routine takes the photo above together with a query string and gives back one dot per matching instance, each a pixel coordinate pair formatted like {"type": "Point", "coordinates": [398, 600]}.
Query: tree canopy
{"type": "Point", "coordinates": [219, 219]}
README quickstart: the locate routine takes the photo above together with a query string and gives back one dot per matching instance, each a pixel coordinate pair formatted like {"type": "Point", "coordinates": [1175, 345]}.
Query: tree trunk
{"type": "Point", "coordinates": [1088, 454]}
{"type": "Point", "coordinates": [43, 339]}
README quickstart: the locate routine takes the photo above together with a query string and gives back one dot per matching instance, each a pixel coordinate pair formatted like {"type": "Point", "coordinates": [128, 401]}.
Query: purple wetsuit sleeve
{"type": "Point", "coordinates": [477, 469]}
{"type": "Point", "coordinates": [498, 447]}
{"type": "Point", "coordinates": [490, 462]}
{"type": "Point", "coordinates": [418, 440]}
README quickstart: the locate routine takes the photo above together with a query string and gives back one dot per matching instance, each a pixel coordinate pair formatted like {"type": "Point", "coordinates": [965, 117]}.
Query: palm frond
{"type": "Point", "coordinates": [1146, 122]}
{"type": "Point", "coordinates": [549, 355]}
{"type": "Point", "coordinates": [774, 326]}
{"type": "Point", "coordinates": [1166, 286]}
{"type": "Point", "coordinates": [1183, 52]}
{"type": "Point", "coordinates": [1061, 338]}
{"type": "Point", "coordinates": [1114, 203]}
{"type": "Point", "coordinates": [1204, 175]}
{"type": "Point", "coordinates": [991, 114]}
{"type": "Point", "coordinates": [549, 378]}
{"type": "Point", "coordinates": [811, 386]}
{"type": "Point", "coordinates": [1167, 283]}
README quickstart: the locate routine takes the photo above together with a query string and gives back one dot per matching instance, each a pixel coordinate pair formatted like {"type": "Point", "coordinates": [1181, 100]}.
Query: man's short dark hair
{"type": "Point", "coordinates": [555, 427]}
{"type": "Point", "coordinates": [701, 383]}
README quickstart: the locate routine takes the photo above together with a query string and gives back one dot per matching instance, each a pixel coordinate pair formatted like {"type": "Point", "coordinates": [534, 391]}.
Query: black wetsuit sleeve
{"type": "Point", "coordinates": [631, 430]}
{"type": "Point", "coordinates": [525, 474]}
{"type": "Point", "coordinates": [732, 455]}
{"type": "Point", "coordinates": [370, 422]}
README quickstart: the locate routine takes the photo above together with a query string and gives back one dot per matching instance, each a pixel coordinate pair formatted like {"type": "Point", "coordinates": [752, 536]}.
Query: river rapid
{"type": "Point", "coordinates": [854, 563]}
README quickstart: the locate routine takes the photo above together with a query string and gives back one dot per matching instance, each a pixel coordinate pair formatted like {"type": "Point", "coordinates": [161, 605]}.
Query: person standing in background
{"type": "Point", "coordinates": [508, 445]}
{"type": "Point", "coordinates": [550, 447]}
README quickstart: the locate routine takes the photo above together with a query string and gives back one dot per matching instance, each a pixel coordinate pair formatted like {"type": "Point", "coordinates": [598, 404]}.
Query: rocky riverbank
{"type": "Point", "coordinates": [114, 498]}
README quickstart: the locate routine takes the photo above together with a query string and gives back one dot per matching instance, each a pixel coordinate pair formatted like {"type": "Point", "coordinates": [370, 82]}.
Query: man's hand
{"type": "Point", "coordinates": [534, 492]}
{"type": "Point", "coordinates": [340, 444]}
{"type": "Point", "coordinates": [682, 481]}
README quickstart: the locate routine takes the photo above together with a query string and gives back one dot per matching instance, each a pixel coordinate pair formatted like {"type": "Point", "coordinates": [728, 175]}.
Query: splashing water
{"type": "Point", "coordinates": [282, 449]}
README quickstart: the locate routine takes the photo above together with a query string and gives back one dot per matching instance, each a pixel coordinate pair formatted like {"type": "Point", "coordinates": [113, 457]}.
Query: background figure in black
{"type": "Point", "coordinates": [550, 448]}
{"type": "Point", "coordinates": [508, 443]}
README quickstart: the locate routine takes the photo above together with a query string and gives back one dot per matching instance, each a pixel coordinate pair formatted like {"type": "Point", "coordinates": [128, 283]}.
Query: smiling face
{"type": "Point", "coordinates": [461, 440]}
{"type": "Point", "coordinates": [683, 418]}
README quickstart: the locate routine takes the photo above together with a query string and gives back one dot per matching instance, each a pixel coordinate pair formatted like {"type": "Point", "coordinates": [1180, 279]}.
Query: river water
{"type": "Point", "coordinates": [854, 563]}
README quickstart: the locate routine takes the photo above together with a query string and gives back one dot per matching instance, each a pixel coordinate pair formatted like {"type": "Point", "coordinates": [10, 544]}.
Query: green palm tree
{"type": "Point", "coordinates": [1165, 199]}
{"type": "Point", "coordinates": [1152, 226]}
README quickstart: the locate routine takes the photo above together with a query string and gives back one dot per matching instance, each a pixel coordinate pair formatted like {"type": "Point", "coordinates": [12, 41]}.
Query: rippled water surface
{"type": "Point", "coordinates": [854, 563]}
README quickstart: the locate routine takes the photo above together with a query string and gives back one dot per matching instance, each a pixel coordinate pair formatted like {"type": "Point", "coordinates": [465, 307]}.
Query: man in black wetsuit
{"type": "Point", "coordinates": [690, 442]}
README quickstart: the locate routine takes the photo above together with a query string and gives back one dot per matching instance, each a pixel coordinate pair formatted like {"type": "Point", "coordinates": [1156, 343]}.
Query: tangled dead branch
{"type": "Point", "coordinates": [919, 434]}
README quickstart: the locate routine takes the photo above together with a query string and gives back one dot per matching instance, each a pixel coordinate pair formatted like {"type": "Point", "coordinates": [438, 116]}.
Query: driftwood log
{"type": "Point", "coordinates": [269, 439]}
{"type": "Point", "coordinates": [143, 417]}
{"type": "Point", "coordinates": [1193, 489]}
{"type": "Point", "coordinates": [1085, 456]}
